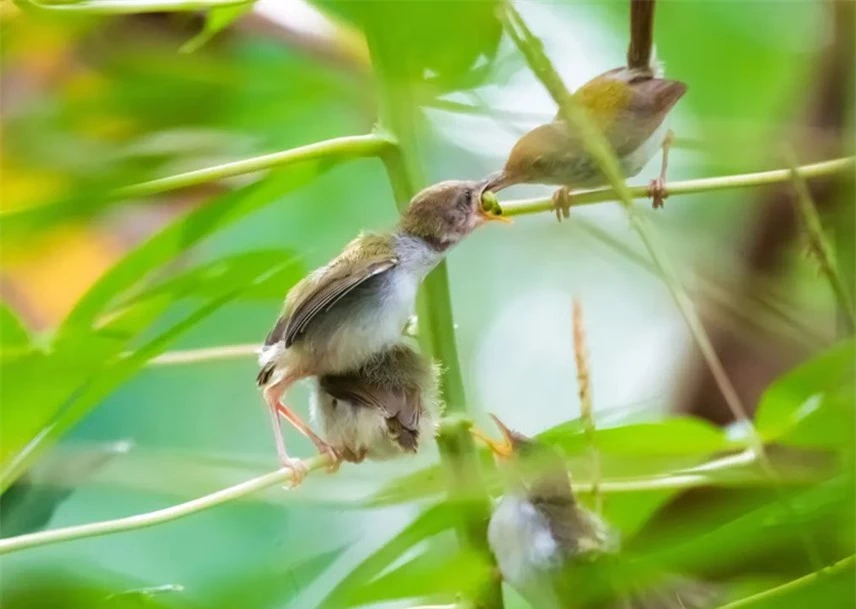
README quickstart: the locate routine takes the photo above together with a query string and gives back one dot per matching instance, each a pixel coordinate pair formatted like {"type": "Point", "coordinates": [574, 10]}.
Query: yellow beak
{"type": "Point", "coordinates": [503, 448]}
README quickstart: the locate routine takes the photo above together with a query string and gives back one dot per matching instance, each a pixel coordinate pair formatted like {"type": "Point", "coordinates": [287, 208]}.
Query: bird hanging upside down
{"type": "Point", "coordinates": [388, 407]}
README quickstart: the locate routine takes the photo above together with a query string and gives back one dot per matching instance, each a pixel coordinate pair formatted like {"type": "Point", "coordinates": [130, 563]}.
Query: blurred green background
{"type": "Point", "coordinates": [92, 103]}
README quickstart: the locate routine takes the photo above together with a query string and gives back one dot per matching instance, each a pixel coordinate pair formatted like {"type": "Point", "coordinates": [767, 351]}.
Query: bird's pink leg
{"type": "Point", "coordinates": [657, 187]}
{"type": "Point", "coordinates": [321, 445]}
{"type": "Point", "coordinates": [562, 203]}
{"type": "Point", "coordinates": [271, 395]}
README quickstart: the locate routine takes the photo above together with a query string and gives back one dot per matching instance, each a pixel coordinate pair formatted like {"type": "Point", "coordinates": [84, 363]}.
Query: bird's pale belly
{"type": "Point", "coordinates": [584, 171]}
{"type": "Point", "coordinates": [360, 325]}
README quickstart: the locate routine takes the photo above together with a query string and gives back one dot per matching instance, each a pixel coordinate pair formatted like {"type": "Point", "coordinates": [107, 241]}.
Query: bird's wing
{"type": "Point", "coordinates": [331, 284]}
{"type": "Point", "coordinates": [400, 406]}
{"type": "Point", "coordinates": [651, 102]}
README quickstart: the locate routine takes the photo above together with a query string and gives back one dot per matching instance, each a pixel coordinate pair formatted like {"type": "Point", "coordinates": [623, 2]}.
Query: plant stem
{"type": "Point", "coordinates": [747, 180]}
{"type": "Point", "coordinates": [772, 594]}
{"type": "Point", "coordinates": [141, 521]}
{"type": "Point", "coordinates": [586, 408]}
{"type": "Point", "coordinates": [434, 308]}
{"type": "Point", "coordinates": [595, 143]}
{"type": "Point", "coordinates": [126, 7]}
{"type": "Point", "coordinates": [343, 147]}
{"type": "Point", "coordinates": [819, 244]}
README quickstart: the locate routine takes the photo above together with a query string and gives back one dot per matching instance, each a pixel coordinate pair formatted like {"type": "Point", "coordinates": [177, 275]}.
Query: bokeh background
{"type": "Point", "coordinates": [92, 103]}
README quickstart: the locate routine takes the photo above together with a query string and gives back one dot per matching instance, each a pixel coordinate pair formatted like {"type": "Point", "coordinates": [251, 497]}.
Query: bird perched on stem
{"type": "Point", "coordinates": [342, 314]}
{"type": "Point", "coordinates": [629, 104]}
{"type": "Point", "coordinates": [560, 555]}
{"type": "Point", "coordinates": [386, 407]}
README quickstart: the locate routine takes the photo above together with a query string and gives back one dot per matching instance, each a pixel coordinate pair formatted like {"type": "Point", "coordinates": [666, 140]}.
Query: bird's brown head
{"type": "Point", "coordinates": [445, 213]}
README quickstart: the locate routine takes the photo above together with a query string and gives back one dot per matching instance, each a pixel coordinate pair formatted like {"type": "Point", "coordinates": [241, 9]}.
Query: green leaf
{"type": "Point", "coordinates": [216, 20]}
{"type": "Point", "coordinates": [671, 437]}
{"type": "Point", "coordinates": [812, 405]}
{"type": "Point", "coordinates": [209, 280]}
{"type": "Point", "coordinates": [431, 522]}
{"type": "Point", "coordinates": [441, 573]}
{"type": "Point", "coordinates": [639, 449]}
{"type": "Point", "coordinates": [470, 32]}
{"type": "Point", "coordinates": [122, 7]}
{"type": "Point", "coordinates": [273, 585]}
{"type": "Point", "coordinates": [29, 504]}
{"type": "Point", "coordinates": [13, 333]}
{"type": "Point", "coordinates": [181, 235]}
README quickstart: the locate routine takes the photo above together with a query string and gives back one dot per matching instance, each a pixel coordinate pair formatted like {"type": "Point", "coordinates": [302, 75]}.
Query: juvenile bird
{"type": "Point", "coordinates": [342, 314]}
{"type": "Point", "coordinates": [555, 552]}
{"type": "Point", "coordinates": [386, 407]}
{"type": "Point", "coordinates": [630, 105]}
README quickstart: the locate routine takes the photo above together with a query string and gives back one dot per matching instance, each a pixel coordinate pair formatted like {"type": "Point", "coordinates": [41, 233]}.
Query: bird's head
{"type": "Point", "coordinates": [445, 213]}
{"type": "Point", "coordinates": [526, 463]}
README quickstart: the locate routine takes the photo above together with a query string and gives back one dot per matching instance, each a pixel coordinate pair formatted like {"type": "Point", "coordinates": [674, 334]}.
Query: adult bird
{"type": "Point", "coordinates": [630, 105]}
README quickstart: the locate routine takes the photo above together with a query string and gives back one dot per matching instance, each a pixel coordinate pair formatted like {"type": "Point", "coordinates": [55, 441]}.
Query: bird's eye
{"type": "Point", "coordinates": [462, 201]}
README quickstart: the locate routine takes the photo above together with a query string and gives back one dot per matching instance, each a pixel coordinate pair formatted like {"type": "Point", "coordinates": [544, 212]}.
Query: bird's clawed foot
{"type": "Point", "coordinates": [562, 203]}
{"type": "Point", "coordinates": [657, 191]}
{"type": "Point", "coordinates": [298, 470]}
{"type": "Point", "coordinates": [334, 455]}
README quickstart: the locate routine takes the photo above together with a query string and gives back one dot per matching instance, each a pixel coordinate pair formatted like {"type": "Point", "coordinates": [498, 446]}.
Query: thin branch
{"type": "Point", "coordinates": [773, 594]}
{"type": "Point", "coordinates": [599, 148]}
{"type": "Point", "coordinates": [205, 354]}
{"type": "Point", "coordinates": [586, 410]}
{"type": "Point", "coordinates": [345, 147]}
{"type": "Point", "coordinates": [843, 165]}
{"type": "Point", "coordinates": [819, 244]}
{"type": "Point", "coordinates": [141, 521]}
{"type": "Point", "coordinates": [227, 352]}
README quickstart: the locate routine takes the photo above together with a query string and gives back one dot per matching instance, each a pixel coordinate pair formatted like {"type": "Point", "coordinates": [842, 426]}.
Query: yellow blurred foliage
{"type": "Point", "coordinates": [52, 276]}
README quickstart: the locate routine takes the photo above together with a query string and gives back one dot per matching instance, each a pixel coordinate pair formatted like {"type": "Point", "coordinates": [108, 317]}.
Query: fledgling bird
{"type": "Point", "coordinates": [556, 553]}
{"type": "Point", "coordinates": [387, 407]}
{"type": "Point", "coordinates": [342, 314]}
{"type": "Point", "coordinates": [630, 105]}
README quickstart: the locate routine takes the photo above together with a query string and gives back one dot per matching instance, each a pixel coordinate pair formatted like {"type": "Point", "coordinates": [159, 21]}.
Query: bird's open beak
{"type": "Point", "coordinates": [503, 448]}
{"type": "Point", "coordinates": [488, 206]}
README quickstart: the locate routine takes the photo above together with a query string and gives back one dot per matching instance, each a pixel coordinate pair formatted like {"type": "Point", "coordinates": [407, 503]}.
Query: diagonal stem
{"type": "Point", "coordinates": [598, 147]}
{"type": "Point", "coordinates": [819, 243]}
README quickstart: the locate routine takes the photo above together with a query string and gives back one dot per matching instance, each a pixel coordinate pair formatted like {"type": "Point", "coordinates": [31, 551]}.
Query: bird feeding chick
{"type": "Point", "coordinates": [629, 105]}
{"type": "Point", "coordinates": [346, 312]}
{"type": "Point", "coordinates": [556, 553]}
{"type": "Point", "coordinates": [387, 407]}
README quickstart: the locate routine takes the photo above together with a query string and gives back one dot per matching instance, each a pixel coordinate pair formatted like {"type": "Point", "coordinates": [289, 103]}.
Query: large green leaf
{"type": "Point", "coordinates": [410, 32]}
{"type": "Point", "coordinates": [13, 334]}
{"type": "Point", "coordinates": [439, 574]}
{"type": "Point", "coordinates": [272, 586]}
{"type": "Point", "coordinates": [431, 522]}
{"type": "Point", "coordinates": [814, 403]}
{"type": "Point", "coordinates": [639, 449]}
